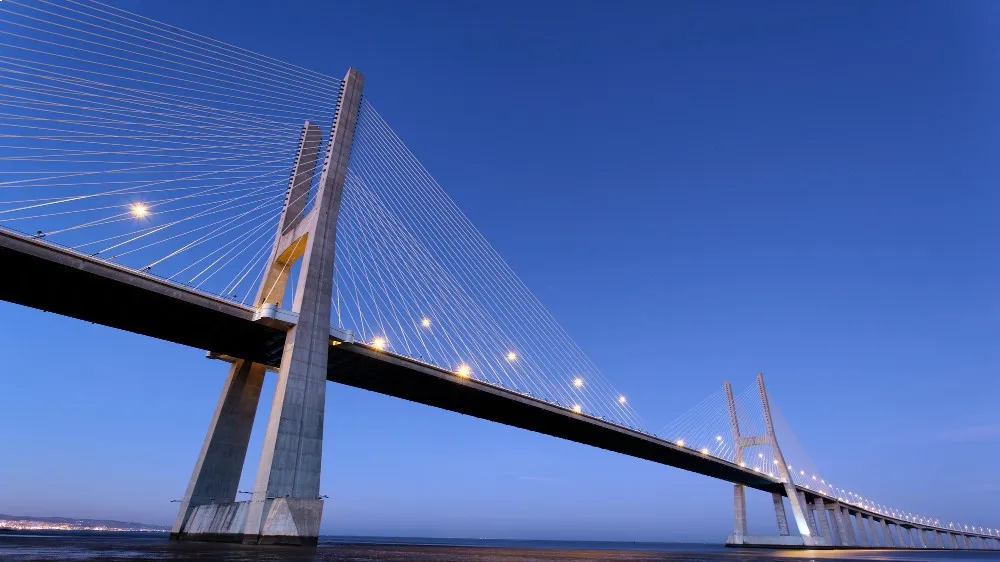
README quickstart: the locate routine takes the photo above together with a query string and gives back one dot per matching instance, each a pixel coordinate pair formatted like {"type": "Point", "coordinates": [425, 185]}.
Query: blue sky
{"type": "Point", "coordinates": [696, 191]}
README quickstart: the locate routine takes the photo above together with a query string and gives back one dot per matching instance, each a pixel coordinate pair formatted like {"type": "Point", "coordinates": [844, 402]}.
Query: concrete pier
{"type": "Point", "coordinates": [819, 511]}
{"type": "Point", "coordinates": [286, 506]}
{"type": "Point", "coordinates": [873, 532]}
{"type": "Point", "coordinates": [739, 510]}
{"type": "Point", "coordinates": [836, 526]}
{"type": "Point", "coordinates": [779, 513]}
{"type": "Point", "coordinates": [890, 540]}
{"type": "Point", "coordinates": [863, 532]}
{"type": "Point", "coordinates": [810, 517]}
{"type": "Point", "coordinates": [217, 471]}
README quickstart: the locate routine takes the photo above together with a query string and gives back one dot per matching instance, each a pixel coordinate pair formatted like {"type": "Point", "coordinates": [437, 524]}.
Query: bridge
{"type": "Point", "coordinates": [171, 185]}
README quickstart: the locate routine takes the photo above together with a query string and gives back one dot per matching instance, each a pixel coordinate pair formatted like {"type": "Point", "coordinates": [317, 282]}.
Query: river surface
{"type": "Point", "coordinates": [101, 547]}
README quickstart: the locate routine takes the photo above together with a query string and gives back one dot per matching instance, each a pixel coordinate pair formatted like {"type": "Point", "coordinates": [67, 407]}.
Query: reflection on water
{"type": "Point", "coordinates": [130, 547]}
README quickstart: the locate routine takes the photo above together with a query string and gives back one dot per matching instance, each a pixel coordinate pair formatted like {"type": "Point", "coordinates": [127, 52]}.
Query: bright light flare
{"type": "Point", "coordinates": [139, 210]}
{"type": "Point", "coordinates": [464, 371]}
{"type": "Point", "coordinates": [704, 451]}
{"type": "Point", "coordinates": [621, 400]}
{"type": "Point", "coordinates": [577, 408]}
{"type": "Point", "coordinates": [578, 382]}
{"type": "Point", "coordinates": [426, 322]}
{"type": "Point", "coordinates": [511, 356]}
{"type": "Point", "coordinates": [679, 442]}
{"type": "Point", "coordinates": [379, 343]}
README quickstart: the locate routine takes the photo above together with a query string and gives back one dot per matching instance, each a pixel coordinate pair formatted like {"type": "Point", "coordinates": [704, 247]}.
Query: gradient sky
{"type": "Point", "coordinates": [697, 191]}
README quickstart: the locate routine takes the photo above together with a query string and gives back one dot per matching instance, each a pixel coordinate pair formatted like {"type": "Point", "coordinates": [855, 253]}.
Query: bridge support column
{"type": "Point", "coordinates": [739, 510]}
{"type": "Point", "coordinates": [873, 531]}
{"type": "Point", "coordinates": [286, 506]}
{"type": "Point", "coordinates": [904, 539]}
{"type": "Point", "coordinates": [216, 474]}
{"type": "Point", "coordinates": [810, 518]}
{"type": "Point", "coordinates": [819, 509]}
{"type": "Point", "coordinates": [779, 513]}
{"type": "Point", "coordinates": [836, 526]}
{"type": "Point", "coordinates": [921, 540]}
{"type": "Point", "coordinates": [862, 531]}
{"type": "Point", "coordinates": [890, 540]}
{"type": "Point", "coordinates": [848, 526]}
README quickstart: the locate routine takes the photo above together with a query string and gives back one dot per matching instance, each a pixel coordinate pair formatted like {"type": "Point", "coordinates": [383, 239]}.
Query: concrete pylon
{"type": "Point", "coordinates": [739, 490]}
{"type": "Point", "coordinates": [286, 505]}
{"type": "Point", "coordinates": [798, 509]}
{"type": "Point", "coordinates": [216, 473]}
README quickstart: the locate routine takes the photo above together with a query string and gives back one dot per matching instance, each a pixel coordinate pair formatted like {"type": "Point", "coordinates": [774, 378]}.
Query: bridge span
{"type": "Point", "coordinates": [127, 299]}
{"type": "Point", "coordinates": [159, 171]}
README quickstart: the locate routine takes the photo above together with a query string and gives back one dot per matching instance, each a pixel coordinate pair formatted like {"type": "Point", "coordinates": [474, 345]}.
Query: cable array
{"type": "Point", "coordinates": [707, 429]}
{"type": "Point", "coordinates": [415, 277]}
{"type": "Point", "coordinates": [807, 476]}
{"type": "Point", "coordinates": [146, 145]}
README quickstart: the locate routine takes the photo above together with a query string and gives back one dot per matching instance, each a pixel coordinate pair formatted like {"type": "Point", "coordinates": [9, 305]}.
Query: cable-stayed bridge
{"type": "Point", "coordinates": [165, 183]}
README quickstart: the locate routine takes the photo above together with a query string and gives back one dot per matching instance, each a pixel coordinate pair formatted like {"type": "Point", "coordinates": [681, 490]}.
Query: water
{"type": "Point", "coordinates": [128, 546]}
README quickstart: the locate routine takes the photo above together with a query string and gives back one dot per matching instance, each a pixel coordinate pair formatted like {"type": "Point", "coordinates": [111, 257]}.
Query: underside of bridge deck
{"type": "Point", "coordinates": [362, 367]}
{"type": "Point", "coordinates": [56, 280]}
{"type": "Point", "coordinates": [50, 278]}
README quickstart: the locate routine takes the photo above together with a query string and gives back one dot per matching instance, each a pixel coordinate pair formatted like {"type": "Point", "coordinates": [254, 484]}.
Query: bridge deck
{"type": "Point", "coordinates": [69, 283]}
{"type": "Point", "coordinates": [59, 280]}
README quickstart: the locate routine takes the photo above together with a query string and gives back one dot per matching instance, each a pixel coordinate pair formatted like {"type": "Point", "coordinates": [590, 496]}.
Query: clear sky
{"type": "Point", "coordinates": [697, 191]}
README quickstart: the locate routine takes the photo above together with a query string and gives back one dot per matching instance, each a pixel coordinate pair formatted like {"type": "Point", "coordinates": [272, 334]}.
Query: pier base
{"type": "Point", "coordinates": [776, 541]}
{"type": "Point", "coordinates": [288, 521]}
